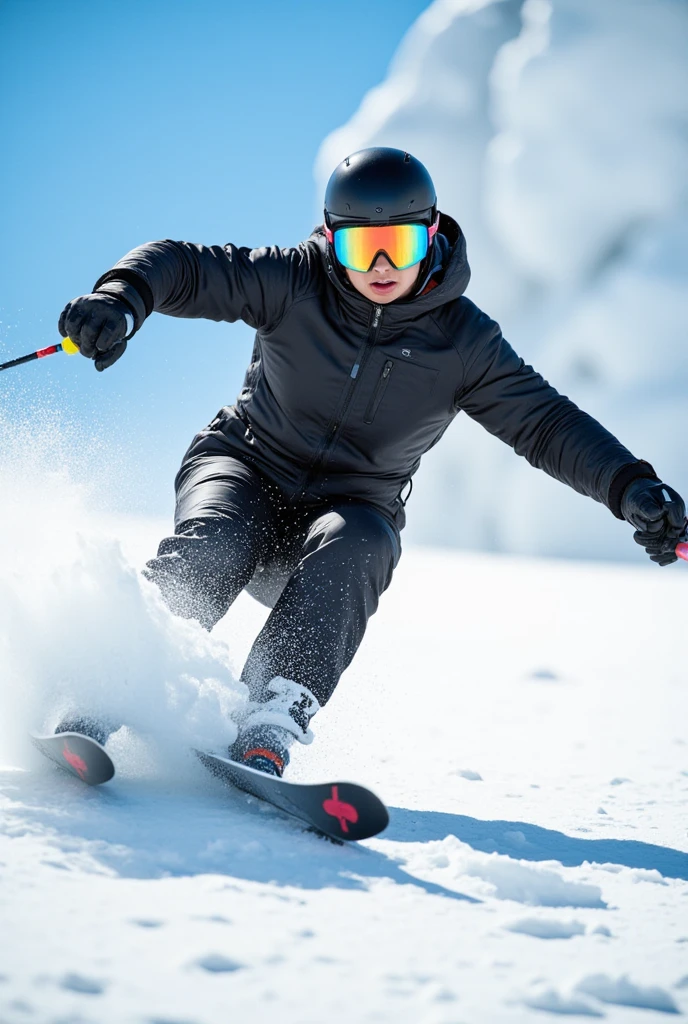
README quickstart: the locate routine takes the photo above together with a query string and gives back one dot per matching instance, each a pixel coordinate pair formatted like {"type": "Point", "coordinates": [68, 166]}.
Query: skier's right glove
{"type": "Point", "coordinates": [100, 324]}
{"type": "Point", "coordinates": [658, 513]}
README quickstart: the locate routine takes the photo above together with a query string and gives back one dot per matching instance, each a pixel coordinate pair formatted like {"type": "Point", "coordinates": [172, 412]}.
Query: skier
{"type": "Point", "coordinates": [366, 349]}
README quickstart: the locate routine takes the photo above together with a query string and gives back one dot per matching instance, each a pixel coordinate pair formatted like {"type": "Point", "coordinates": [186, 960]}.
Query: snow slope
{"type": "Point", "coordinates": [525, 722]}
{"type": "Point", "coordinates": [555, 131]}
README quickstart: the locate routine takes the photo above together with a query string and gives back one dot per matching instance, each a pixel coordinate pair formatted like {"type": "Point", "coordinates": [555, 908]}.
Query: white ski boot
{"type": "Point", "coordinates": [269, 728]}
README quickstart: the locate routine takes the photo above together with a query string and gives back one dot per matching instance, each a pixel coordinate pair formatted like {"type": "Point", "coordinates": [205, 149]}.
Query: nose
{"type": "Point", "coordinates": [382, 264]}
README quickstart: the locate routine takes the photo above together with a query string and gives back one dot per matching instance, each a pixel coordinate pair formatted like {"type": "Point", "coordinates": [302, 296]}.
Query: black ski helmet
{"type": "Point", "coordinates": [380, 186]}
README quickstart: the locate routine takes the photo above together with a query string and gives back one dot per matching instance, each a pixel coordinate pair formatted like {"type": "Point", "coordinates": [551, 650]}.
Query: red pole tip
{"type": "Point", "coordinates": [682, 551]}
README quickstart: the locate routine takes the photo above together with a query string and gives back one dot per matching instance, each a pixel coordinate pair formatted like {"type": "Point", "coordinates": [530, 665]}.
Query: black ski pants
{"type": "Point", "coordinates": [322, 568]}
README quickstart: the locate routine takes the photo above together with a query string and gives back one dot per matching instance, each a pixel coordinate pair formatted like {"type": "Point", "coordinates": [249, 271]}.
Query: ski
{"type": "Point", "coordinates": [77, 754]}
{"type": "Point", "coordinates": [343, 811]}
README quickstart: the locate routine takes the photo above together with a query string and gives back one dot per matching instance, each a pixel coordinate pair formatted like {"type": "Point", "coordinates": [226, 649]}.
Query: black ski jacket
{"type": "Point", "coordinates": [343, 397]}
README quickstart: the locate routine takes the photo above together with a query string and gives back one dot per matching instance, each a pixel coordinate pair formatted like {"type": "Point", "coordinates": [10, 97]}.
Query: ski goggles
{"type": "Point", "coordinates": [404, 245]}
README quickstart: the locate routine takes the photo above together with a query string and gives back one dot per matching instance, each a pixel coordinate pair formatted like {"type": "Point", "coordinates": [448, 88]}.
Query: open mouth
{"type": "Point", "coordinates": [383, 286]}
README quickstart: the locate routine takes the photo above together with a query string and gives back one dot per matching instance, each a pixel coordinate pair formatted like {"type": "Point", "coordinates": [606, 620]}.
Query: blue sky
{"type": "Point", "coordinates": [128, 121]}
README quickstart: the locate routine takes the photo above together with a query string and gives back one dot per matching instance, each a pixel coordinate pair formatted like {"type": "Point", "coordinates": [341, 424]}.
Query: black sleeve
{"type": "Point", "coordinates": [214, 282]}
{"type": "Point", "coordinates": [519, 407]}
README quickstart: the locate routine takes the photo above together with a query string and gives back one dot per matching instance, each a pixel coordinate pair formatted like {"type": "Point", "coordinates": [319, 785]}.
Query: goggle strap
{"type": "Point", "coordinates": [432, 231]}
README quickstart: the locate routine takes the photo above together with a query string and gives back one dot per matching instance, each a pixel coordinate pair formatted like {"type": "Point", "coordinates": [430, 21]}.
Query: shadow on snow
{"type": "Point", "coordinates": [524, 841]}
{"type": "Point", "coordinates": [154, 828]}
{"type": "Point", "coordinates": [138, 828]}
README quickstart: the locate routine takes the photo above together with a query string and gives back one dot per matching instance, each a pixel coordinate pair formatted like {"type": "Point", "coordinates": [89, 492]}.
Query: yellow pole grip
{"type": "Point", "coordinates": [69, 347]}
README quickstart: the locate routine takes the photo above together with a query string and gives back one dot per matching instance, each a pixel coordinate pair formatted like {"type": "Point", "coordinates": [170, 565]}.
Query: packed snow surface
{"type": "Point", "coordinates": [525, 722]}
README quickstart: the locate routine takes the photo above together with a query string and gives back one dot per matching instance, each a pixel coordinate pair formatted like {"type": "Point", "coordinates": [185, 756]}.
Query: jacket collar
{"type": "Point", "coordinates": [449, 266]}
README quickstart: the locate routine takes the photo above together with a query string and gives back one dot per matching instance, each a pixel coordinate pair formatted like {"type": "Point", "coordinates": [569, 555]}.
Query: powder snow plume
{"type": "Point", "coordinates": [80, 627]}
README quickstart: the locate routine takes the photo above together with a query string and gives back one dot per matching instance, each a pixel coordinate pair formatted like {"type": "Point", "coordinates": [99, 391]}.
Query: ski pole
{"type": "Point", "coordinates": [66, 345]}
{"type": "Point", "coordinates": [682, 546]}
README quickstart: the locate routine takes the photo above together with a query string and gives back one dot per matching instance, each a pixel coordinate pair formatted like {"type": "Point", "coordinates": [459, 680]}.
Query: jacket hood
{"type": "Point", "coordinates": [449, 267]}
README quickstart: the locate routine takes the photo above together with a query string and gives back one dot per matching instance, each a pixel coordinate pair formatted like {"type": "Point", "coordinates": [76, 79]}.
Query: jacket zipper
{"type": "Point", "coordinates": [354, 377]}
{"type": "Point", "coordinates": [379, 392]}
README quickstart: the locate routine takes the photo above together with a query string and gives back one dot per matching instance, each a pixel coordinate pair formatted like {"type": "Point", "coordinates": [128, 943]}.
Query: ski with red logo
{"type": "Point", "coordinates": [77, 754]}
{"type": "Point", "coordinates": [341, 810]}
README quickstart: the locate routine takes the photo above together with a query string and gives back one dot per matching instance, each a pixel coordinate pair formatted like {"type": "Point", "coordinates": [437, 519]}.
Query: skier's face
{"type": "Point", "coordinates": [382, 283]}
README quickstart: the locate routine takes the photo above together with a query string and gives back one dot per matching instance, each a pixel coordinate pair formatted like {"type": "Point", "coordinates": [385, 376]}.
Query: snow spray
{"type": "Point", "coordinates": [80, 629]}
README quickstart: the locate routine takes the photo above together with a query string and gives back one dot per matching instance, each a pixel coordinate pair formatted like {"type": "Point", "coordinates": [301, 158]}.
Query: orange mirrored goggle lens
{"type": "Point", "coordinates": [404, 245]}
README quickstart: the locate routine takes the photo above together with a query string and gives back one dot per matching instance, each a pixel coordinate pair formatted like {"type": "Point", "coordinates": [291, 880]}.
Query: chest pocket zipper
{"type": "Point", "coordinates": [379, 392]}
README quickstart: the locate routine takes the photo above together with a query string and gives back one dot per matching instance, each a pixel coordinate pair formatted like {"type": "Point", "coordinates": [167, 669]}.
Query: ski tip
{"type": "Point", "coordinates": [344, 811]}
{"type": "Point", "coordinates": [78, 755]}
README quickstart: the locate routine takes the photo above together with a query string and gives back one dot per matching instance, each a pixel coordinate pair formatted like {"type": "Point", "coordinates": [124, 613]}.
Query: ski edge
{"type": "Point", "coordinates": [263, 775]}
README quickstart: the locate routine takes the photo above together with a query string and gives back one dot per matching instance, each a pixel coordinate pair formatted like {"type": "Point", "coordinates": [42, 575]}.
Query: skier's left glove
{"type": "Point", "coordinates": [658, 514]}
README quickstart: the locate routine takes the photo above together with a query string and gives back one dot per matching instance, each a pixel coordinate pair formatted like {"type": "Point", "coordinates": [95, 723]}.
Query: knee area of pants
{"type": "Point", "coordinates": [214, 533]}
{"type": "Point", "coordinates": [207, 546]}
{"type": "Point", "coordinates": [359, 534]}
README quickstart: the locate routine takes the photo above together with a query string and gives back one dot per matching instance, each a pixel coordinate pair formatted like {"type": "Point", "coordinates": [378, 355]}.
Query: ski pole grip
{"type": "Point", "coordinates": [69, 347]}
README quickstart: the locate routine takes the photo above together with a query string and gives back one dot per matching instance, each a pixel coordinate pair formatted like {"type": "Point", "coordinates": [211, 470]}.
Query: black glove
{"type": "Point", "coordinates": [659, 516]}
{"type": "Point", "coordinates": [98, 324]}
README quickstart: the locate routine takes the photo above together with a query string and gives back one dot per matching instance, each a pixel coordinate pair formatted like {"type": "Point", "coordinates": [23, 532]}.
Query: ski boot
{"type": "Point", "coordinates": [269, 727]}
{"type": "Point", "coordinates": [264, 747]}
